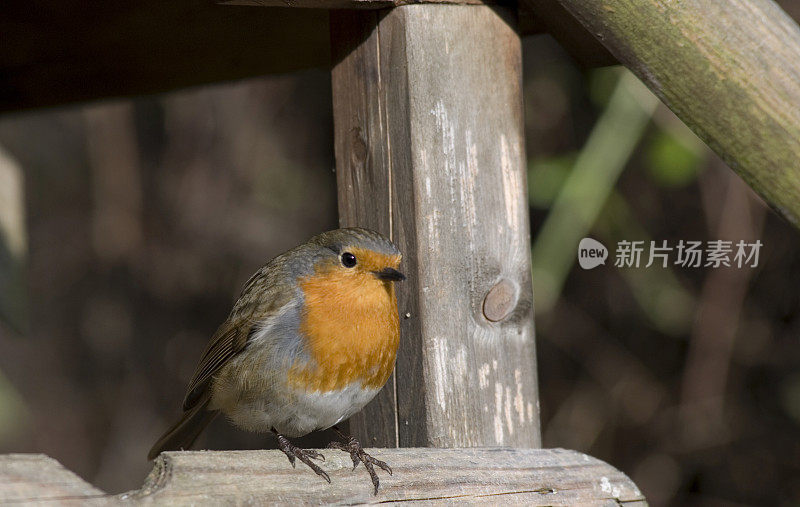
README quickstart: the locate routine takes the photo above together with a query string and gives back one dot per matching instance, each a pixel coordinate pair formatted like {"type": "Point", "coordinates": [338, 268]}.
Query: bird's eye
{"type": "Point", "coordinates": [348, 260]}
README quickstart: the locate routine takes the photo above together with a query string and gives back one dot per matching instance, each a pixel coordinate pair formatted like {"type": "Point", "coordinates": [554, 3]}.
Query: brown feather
{"type": "Point", "coordinates": [183, 433]}
{"type": "Point", "coordinates": [228, 341]}
{"type": "Point", "coordinates": [261, 298]}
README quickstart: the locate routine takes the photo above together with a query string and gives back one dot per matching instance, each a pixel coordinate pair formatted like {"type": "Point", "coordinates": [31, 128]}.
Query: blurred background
{"type": "Point", "coordinates": [127, 228]}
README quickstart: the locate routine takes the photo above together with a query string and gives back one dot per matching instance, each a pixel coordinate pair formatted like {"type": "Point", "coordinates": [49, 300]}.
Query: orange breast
{"type": "Point", "coordinates": [351, 324]}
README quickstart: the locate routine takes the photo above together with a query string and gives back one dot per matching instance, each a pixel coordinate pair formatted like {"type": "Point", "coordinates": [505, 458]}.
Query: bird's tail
{"type": "Point", "coordinates": [183, 433]}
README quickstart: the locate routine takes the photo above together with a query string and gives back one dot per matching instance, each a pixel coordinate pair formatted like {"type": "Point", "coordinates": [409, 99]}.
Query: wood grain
{"type": "Point", "coordinates": [429, 148]}
{"type": "Point", "coordinates": [32, 478]}
{"type": "Point", "coordinates": [349, 4]}
{"type": "Point", "coordinates": [516, 476]}
{"type": "Point", "coordinates": [730, 69]}
{"type": "Point", "coordinates": [433, 476]}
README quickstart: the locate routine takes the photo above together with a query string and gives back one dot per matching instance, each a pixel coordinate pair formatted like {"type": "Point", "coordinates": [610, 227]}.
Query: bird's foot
{"type": "Point", "coordinates": [358, 455]}
{"type": "Point", "coordinates": [305, 455]}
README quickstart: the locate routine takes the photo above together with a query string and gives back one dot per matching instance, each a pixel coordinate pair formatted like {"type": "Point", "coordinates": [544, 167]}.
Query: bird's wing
{"type": "Point", "coordinates": [261, 299]}
{"type": "Point", "coordinates": [229, 340]}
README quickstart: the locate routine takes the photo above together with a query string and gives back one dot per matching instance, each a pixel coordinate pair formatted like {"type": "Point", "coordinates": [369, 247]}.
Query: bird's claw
{"type": "Point", "coordinates": [305, 455]}
{"type": "Point", "coordinates": [358, 455]}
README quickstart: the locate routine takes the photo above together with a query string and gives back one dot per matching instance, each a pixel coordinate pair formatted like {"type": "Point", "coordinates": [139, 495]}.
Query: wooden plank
{"type": "Point", "coordinates": [474, 475]}
{"type": "Point", "coordinates": [730, 69]}
{"type": "Point", "coordinates": [792, 7]}
{"type": "Point", "coordinates": [32, 478]}
{"type": "Point", "coordinates": [516, 476]}
{"type": "Point", "coordinates": [349, 4]}
{"type": "Point", "coordinates": [55, 52]}
{"type": "Point", "coordinates": [429, 148]}
{"type": "Point", "coordinates": [58, 52]}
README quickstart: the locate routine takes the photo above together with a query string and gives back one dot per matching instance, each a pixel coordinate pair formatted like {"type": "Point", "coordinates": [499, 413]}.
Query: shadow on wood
{"type": "Point", "coordinates": [59, 52]}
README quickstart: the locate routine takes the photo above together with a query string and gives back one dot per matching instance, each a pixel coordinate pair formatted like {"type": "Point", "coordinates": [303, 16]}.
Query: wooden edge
{"type": "Point", "coordinates": [63, 54]}
{"type": "Point", "coordinates": [549, 17]}
{"type": "Point", "coordinates": [350, 4]}
{"type": "Point", "coordinates": [530, 476]}
{"type": "Point", "coordinates": [587, 51]}
{"type": "Point", "coordinates": [27, 478]}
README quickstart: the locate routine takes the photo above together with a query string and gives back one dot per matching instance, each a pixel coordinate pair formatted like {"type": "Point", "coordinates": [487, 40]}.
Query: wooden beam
{"type": "Point", "coordinates": [349, 4]}
{"type": "Point", "coordinates": [547, 16]}
{"type": "Point", "coordinates": [550, 17]}
{"type": "Point", "coordinates": [59, 53]}
{"type": "Point", "coordinates": [56, 52]}
{"type": "Point", "coordinates": [517, 476]}
{"type": "Point", "coordinates": [580, 44]}
{"type": "Point", "coordinates": [36, 478]}
{"type": "Point", "coordinates": [429, 149]}
{"type": "Point", "coordinates": [730, 69]}
{"type": "Point", "coordinates": [533, 477]}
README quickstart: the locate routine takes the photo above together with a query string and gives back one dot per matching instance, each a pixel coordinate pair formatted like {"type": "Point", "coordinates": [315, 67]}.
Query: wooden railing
{"type": "Point", "coordinates": [507, 476]}
{"type": "Point", "coordinates": [429, 150]}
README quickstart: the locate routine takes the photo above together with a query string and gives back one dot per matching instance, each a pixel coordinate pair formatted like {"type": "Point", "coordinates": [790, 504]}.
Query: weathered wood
{"type": "Point", "coordinates": [792, 6]}
{"type": "Point", "coordinates": [551, 17]}
{"type": "Point", "coordinates": [730, 69]}
{"type": "Point", "coordinates": [510, 476]}
{"type": "Point", "coordinates": [429, 148]}
{"type": "Point", "coordinates": [30, 478]}
{"type": "Point", "coordinates": [349, 4]}
{"type": "Point", "coordinates": [519, 476]}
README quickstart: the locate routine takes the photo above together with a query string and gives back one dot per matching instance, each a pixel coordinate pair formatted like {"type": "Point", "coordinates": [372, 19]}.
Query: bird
{"type": "Point", "coordinates": [311, 339]}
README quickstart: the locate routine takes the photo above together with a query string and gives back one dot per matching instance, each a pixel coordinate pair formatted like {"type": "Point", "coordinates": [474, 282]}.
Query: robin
{"type": "Point", "coordinates": [312, 339]}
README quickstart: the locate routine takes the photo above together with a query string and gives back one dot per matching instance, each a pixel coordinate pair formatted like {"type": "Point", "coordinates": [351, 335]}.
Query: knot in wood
{"type": "Point", "coordinates": [358, 147]}
{"type": "Point", "coordinates": [500, 301]}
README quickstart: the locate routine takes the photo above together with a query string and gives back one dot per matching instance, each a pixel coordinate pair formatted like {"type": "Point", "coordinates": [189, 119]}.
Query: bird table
{"type": "Point", "coordinates": [429, 146]}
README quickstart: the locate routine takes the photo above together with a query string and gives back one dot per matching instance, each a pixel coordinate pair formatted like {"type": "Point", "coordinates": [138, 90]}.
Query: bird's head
{"type": "Point", "coordinates": [355, 255]}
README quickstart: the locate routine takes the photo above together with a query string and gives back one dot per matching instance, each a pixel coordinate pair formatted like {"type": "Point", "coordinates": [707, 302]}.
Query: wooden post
{"type": "Point", "coordinates": [429, 149]}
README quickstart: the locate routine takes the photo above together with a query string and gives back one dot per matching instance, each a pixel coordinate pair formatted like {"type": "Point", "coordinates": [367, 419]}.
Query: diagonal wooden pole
{"type": "Point", "coordinates": [730, 69]}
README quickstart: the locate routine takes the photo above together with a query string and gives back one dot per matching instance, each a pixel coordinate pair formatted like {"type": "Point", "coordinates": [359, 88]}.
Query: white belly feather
{"type": "Point", "coordinates": [305, 411]}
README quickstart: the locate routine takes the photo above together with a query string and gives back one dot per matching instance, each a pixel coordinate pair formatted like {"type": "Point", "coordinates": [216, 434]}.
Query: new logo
{"type": "Point", "coordinates": [591, 253]}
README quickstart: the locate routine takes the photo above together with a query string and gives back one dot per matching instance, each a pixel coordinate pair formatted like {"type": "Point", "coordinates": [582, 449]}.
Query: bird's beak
{"type": "Point", "coordinates": [389, 275]}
